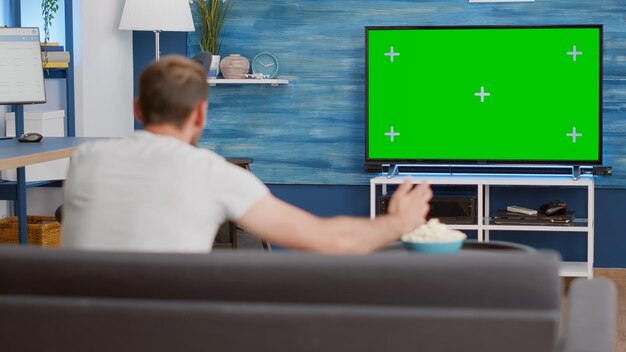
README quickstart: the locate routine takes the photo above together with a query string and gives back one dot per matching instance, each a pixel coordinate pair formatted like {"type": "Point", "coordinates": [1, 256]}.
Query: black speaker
{"type": "Point", "coordinates": [602, 171]}
{"type": "Point", "coordinates": [448, 209]}
{"type": "Point", "coordinates": [453, 209]}
{"type": "Point", "coordinates": [383, 203]}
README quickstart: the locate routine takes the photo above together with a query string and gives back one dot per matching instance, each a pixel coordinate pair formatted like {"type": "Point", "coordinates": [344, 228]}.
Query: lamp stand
{"type": "Point", "coordinates": [156, 44]}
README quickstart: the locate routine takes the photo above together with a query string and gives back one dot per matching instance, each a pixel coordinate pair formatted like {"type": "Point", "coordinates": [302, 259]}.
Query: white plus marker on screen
{"type": "Point", "coordinates": [574, 135]}
{"type": "Point", "coordinates": [392, 54]}
{"type": "Point", "coordinates": [392, 134]}
{"type": "Point", "coordinates": [482, 94]}
{"type": "Point", "coordinates": [574, 53]}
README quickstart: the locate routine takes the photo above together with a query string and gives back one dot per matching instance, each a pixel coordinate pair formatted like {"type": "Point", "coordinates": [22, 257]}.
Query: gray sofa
{"type": "Point", "coordinates": [62, 300]}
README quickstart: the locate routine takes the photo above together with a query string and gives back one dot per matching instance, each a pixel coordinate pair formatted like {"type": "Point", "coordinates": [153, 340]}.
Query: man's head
{"type": "Point", "coordinates": [170, 90]}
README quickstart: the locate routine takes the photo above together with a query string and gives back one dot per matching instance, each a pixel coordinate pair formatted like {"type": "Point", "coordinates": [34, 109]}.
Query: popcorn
{"type": "Point", "coordinates": [434, 231]}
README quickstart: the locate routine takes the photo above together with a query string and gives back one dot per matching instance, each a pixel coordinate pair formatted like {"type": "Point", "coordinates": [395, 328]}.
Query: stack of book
{"type": "Point", "coordinates": [57, 56]}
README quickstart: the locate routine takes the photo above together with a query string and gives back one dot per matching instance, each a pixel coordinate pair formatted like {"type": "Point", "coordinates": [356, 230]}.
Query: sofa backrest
{"type": "Point", "coordinates": [473, 280]}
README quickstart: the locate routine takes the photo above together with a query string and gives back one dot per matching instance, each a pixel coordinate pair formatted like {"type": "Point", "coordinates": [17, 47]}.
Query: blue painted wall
{"type": "Point", "coordinates": [170, 43]}
{"type": "Point", "coordinates": [319, 117]}
{"type": "Point", "coordinates": [143, 48]}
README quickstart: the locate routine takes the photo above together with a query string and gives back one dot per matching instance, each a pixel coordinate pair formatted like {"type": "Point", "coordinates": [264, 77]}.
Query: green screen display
{"type": "Point", "coordinates": [484, 94]}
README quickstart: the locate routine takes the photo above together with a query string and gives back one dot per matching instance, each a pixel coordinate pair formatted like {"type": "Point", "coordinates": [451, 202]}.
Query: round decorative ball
{"type": "Point", "coordinates": [234, 66]}
{"type": "Point", "coordinates": [204, 59]}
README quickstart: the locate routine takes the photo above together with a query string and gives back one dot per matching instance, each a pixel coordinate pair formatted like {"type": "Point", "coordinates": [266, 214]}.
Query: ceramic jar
{"type": "Point", "coordinates": [234, 66]}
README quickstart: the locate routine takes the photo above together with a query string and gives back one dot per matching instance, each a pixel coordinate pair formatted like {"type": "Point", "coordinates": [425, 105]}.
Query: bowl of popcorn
{"type": "Point", "coordinates": [435, 238]}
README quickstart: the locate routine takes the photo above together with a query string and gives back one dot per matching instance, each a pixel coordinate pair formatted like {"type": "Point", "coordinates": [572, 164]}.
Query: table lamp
{"type": "Point", "coordinates": [157, 16]}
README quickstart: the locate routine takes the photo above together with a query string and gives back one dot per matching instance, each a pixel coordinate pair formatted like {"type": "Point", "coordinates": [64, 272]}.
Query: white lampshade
{"type": "Point", "coordinates": [157, 15]}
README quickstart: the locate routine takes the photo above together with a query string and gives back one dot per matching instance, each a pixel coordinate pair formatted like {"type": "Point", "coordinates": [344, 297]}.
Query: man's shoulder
{"type": "Point", "coordinates": [139, 139]}
{"type": "Point", "coordinates": [142, 143]}
{"type": "Point", "coordinates": [104, 145]}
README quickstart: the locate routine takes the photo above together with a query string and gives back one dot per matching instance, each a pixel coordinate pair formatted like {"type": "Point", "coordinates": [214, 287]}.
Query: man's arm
{"type": "Point", "coordinates": [278, 222]}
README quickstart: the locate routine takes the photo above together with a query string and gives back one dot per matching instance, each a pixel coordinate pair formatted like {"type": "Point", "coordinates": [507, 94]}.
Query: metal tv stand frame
{"type": "Point", "coordinates": [484, 224]}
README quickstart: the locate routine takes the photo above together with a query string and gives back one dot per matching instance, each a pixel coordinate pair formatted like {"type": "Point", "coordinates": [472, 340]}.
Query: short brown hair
{"type": "Point", "coordinates": [170, 88]}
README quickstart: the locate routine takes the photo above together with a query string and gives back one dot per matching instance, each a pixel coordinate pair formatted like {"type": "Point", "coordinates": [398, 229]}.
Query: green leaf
{"type": "Point", "coordinates": [210, 18]}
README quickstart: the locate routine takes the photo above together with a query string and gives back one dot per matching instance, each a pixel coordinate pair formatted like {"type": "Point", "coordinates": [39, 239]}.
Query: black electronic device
{"type": "Point", "coordinates": [448, 209]}
{"type": "Point", "coordinates": [373, 168]}
{"type": "Point", "coordinates": [32, 137]}
{"type": "Point", "coordinates": [602, 171]}
{"type": "Point", "coordinates": [383, 203]}
{"type": "Point", "coordinates": [555, 207]}
{"type": "Point", "coordinates": [453, 209]}
{"type": "Point", "coordinates": [509, 218]}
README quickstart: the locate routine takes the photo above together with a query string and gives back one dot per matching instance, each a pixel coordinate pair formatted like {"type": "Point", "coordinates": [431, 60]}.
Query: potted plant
{"type": "Point", "coordinates": [48, 9]}
{"type": "Point", "coordinates": [209, 16]}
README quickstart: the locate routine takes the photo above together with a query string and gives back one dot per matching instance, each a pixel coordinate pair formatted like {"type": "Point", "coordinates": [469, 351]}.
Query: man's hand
{"type": "Point", "coordinates": [410, 205]}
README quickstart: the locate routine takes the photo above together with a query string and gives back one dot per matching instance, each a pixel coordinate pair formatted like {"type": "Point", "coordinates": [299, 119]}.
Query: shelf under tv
{"type": "Point", "coordinates": [484, 225]}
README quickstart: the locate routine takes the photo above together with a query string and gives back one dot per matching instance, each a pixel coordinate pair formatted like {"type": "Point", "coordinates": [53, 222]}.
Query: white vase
{"type": "Point", "coordinates": [214, 69]}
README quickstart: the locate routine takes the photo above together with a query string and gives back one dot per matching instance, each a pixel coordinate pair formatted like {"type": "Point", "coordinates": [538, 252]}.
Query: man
{"type": "Point", "coordinates": [155, 191]}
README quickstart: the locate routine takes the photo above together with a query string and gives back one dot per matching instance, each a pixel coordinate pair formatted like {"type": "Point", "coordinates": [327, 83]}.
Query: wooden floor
{"type": "Point", "coordinates": [618, 276]}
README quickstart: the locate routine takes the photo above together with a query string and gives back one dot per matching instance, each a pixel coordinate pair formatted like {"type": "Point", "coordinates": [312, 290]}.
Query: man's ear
{"type": "Point", "coordinates": [200, 114]}
{"type": "Point", "coordinates": [137, 110]}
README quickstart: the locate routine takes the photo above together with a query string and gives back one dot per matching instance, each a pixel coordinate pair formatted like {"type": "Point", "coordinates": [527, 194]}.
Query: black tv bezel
{"type": "Point", "coordinates": [477, 162]}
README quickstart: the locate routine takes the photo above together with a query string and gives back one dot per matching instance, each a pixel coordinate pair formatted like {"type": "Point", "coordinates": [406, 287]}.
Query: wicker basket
{"type": "Point", "coordinates": [42, 231]}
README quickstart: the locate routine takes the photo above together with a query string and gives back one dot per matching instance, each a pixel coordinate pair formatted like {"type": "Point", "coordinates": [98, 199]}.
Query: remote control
{"type": "Point", "coordinates": [521, 210]}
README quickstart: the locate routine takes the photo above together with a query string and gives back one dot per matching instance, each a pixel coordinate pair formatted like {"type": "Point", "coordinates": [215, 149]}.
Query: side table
{"type": "Point", "coordinates": [227, 234]}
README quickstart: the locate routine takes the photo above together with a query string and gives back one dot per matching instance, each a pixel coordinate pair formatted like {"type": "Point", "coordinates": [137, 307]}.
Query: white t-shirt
{"type": "Point", "coordinates": [150, 192]}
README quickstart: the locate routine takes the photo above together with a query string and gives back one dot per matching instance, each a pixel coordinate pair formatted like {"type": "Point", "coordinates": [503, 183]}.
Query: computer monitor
{"type": "Point", "coordinates": [21, 70]}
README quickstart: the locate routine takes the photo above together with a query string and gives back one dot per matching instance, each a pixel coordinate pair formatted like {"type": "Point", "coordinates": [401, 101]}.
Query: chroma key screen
{"type": "Point", "coordinates": [484, 94]}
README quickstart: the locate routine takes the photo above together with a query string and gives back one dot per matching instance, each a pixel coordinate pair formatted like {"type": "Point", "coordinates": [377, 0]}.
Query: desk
{"type": "Point", "coordinates": [14, 154]}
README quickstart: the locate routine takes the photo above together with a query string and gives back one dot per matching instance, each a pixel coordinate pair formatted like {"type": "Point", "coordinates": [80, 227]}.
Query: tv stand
{"type": "Point", "coordinates": [575, 173]}
{"type": "Point", "coordinates": [393, 171]}
{"type": "Point", "coordinates": [484, 224]}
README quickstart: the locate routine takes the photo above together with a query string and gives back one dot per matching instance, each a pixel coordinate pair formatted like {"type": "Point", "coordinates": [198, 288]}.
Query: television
{"type": "Point", "coordinates": [483, 95]}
